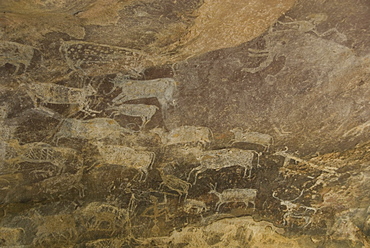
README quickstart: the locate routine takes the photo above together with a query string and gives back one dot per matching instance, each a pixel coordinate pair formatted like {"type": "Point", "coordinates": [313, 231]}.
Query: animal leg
{"type": "Point", "coordinates": [218, 205]}
{"type": "Point", "coordinates": [143, 122]}
{"type": "Point", "coordinates": [196, 176]}
{"type": "Point", "coordinates": [143, 173]}
{"type": "Point", "coordinates": [180, 194]}
{"type": "Point", "coordinates": [160, 185]}
{"type": "Point", "coordinates": [194, 169]}
{"type": "Point", "coordinates": [254, 204]}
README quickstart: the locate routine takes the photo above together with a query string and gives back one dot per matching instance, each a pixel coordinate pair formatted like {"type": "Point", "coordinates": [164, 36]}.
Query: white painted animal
{"type": "Point", "coordinates": [90, 57]}
{"type": "Point", "coordinates": [16, 54]}
{"type": "Point", "coordinates": [60, 94]}
{"type": "Point", "coordinates": [184, 135]}
{"type": "Point", "coordinates": [245, 196]}
{"type": "Point", "coordinates": [93, 129]}
{"type": "Point", "coordinates": [292, 210]}
{"type": "Point", "coordinates": [127, 156]}
{"type": "Point", "coordinates": [288, 157]}
{"type": "Point", "coordinates": [145, 112]}
{"type": "Point", "coordinates": [262, 139]}
{"type": "Point", "coordinates": [39, 152]}
{"type": "Point", "coordinates": [162, 88]}
{"type": "Point", "coordinates": [223, 158]}
{"type": "Point", "coordinates": [192, 206]}
{"type": "Point", "coordinates": [103, 216]}
{"type": "Point", "coordinates": [175, 184]}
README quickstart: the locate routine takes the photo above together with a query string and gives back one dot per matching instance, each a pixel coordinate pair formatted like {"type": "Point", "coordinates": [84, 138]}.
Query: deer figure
{"type": "Point", "coordinates": [245, 196]}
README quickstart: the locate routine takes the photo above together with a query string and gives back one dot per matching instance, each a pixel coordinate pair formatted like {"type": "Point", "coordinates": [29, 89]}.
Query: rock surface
{"type": "Point", "coordinates": [168, 123]}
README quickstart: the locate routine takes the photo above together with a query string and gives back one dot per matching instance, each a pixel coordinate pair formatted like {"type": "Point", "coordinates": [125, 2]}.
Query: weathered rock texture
{"type": "Point", "coordinates": [192, 123]}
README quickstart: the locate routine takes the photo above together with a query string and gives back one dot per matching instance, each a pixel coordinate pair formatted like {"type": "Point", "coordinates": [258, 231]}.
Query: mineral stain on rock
{"type": "Point", "coordinates": [161, 123]}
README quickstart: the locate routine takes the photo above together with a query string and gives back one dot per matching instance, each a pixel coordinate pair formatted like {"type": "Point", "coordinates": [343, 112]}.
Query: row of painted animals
{"type": "Point", "coordinates": [63, 228]}
{"type": "Point", "coordinates": [78, 54]}
{"type": "Point", "coordinates": [105, 218]}
{"type": "Point", "coordinates": [100, 128]}
{"type": "Point", "coordinates": [162, 89]}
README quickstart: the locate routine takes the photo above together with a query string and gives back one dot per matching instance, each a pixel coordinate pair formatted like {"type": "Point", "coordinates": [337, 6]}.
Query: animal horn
{"type": "Point", "coordinates": [274, 195]}
{"type": "Point", "coordinates": [298, 196]}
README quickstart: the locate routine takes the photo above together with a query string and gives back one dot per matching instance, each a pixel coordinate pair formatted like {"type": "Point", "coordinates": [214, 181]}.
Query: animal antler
{"type": "Point", "coordinates": [213, 187]}
{"type": "Point", "coordinates": [297, 196]}
{"type": "Point", "coordinates": [274, 195]}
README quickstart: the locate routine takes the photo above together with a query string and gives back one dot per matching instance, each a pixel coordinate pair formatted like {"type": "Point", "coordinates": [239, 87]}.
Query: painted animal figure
{"type": "Point", "coordinates": [162, 88]}
{"type": "Point", "coordinates": [145, 112]}
{"type": "Point", "coordinates": [104, 217]}
{"type": "Point", "coordinates": [39, 152]}
{"type": "Point", "coordinates": [288, 157]}
{"type": "Point", "coordinates": [127, 156]}
{"type": "Point", "coordinates": [192, 206]}
{"type": "Point", "coordinates": [175, 184]}
{"type": "Point", "coordinates": [90, 57]}
{"type": "Point", "coordinates": [16, 54]}
{"type": "Point", "coordinates": [93, 129]}
{"type": "Point", "coordinates": [245, 196]}
{"type": "Point", "coordinates": [63, 184]}
{"type": "Point", "coordinates": [59, 94]}
{"type": "Point", "coordinates": [295, 210]}
{"type": "Point", "coordinates": [262, 139]}
{"type": "Point", "coordinates": [185, 135]}
{"type": "Point", "coordinates": [223, 158]}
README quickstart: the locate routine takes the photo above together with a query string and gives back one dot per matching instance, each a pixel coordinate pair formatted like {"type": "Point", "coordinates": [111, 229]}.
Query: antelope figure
{"type": "Point", "coordinates": [245, 196]}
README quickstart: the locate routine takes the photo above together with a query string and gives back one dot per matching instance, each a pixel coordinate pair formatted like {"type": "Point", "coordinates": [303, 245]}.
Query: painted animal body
{"type": "Point", "coordinates": [60, 94]}
{"type": "Point", "coordinates": [63, 183]}
{"type": "Point", "coordinates": [262, 139]}
{"type": "Point", "coordinates": [245, 196]}
{"type": "Point", "coordinates": [145, 112]}
{"type": "Point", "coordinates": [93, 129]}
{"type": "Point", "coordinates": [295, 210]}
{"type": "Point", "coordinates": [39, 152]}
{"type": "Point", "coordinates": [16, 54]}
{"type": "Point", "coordinates": [162, 88]}
{"type": "Point", "coordinates": [127, 156]}
{"type": "Point", "coordinates": [223, 158]}
{"type": "Point", "coordinates": [175, 184]}
{"type": "Point", "coordinates": [192, 206]}
{"type": "Point", "coordinates": [103, 217]}
{"type": "Point", "coordinates": [90, 56]}
{"type": "Point", "coordinates": [185, 135]}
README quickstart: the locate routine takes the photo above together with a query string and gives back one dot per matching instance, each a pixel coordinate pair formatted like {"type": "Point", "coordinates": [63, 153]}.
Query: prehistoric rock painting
{"type": "Point", "coordinates": [160, 123]}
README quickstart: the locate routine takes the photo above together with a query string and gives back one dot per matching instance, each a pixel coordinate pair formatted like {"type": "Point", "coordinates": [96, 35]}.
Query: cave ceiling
{"type": "Point", "coordinates": [183, 123]}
